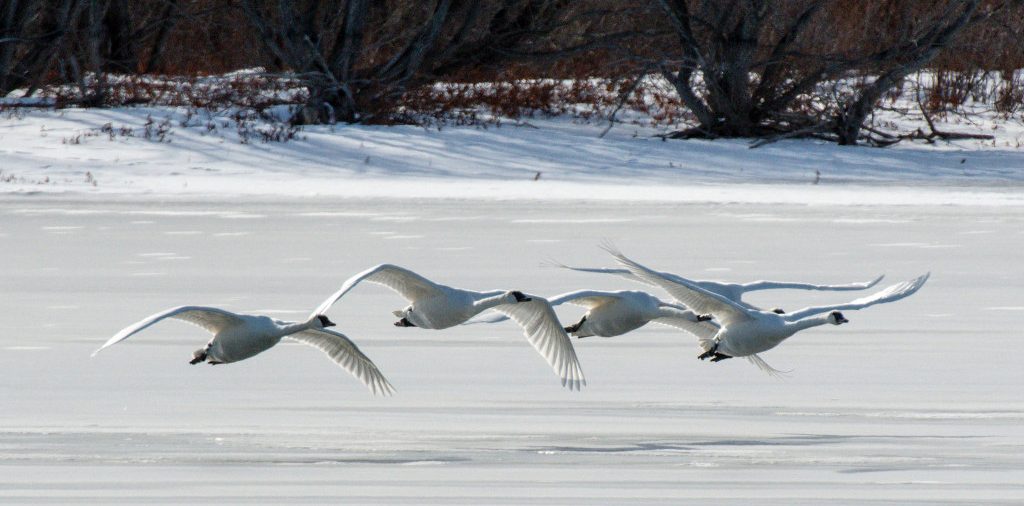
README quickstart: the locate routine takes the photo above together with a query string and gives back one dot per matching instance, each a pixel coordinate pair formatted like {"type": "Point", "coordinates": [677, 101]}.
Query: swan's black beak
{"type": "Point", "coordinates": [840, 319]}
{"type": "Point", "coordinates": [325, 321]}
{"type": "Point", "coordinates": [520, 297]}
{"type": "Point", "coordinates": [704, 317]}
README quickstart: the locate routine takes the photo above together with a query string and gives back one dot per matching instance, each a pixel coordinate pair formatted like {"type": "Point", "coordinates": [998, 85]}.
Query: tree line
{"type": "Point", "coordinates": [750, 68]}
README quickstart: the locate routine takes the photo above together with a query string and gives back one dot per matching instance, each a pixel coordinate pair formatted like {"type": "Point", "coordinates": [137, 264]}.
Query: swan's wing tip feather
{"type": "Point", "coordinates": [551, 262]}
{"type": "Point", "coordinates": [610, 247]}
{"type": "Point", "coordinates": [384, 390]}
{"type": "Point", "coordinates": [347, 355]}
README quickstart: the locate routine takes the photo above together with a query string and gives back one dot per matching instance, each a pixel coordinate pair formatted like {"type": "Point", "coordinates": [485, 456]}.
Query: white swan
{"type": "Point", "coordinates": [436, 306]}
{"type": "Point", "coordinates": [238, 337]}
{"type": "Point", "coordinates": [731, 291]}
{"type": "Point", "coordinates": [746, 332]}
{"type": "Point", "coordinates": [613, 313]}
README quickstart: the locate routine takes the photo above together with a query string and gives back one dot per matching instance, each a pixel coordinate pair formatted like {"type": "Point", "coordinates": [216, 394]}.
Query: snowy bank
{"type": "Point", "coordinates": [163, 152]}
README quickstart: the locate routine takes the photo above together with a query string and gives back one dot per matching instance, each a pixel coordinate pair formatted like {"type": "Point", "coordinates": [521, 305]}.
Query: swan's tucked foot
{"type": "Point", "coordinates": [576, 326]}
{"type": "Point", "coordinates": [520, 297]}
{"type": "Point", "coordinates": [198, 356]}
{"type": "Point", "coordinates": [704, 317]}
{"type": "Point", "coordinates": [404, 322]}
{"type": "Point", "coordinates": [710, 353]}
{"type": "Point", "coordinates": [718, 357]}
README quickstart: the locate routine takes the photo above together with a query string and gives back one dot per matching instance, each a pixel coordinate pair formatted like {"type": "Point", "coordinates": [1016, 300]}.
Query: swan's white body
{"type": "Point", "coordinates": [613, 313]}
{"type": "Point", "coordinates": [731, 291]}
{"type": "Point", "coordinates": [238, 337]}
{"type": "Point", "coordinates": [746, 332]}
{"type": "Point", "coordinates": [436, 306]}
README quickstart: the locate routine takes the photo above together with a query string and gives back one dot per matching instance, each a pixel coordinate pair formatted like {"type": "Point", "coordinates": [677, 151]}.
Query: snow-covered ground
{"type": "Point", "coordinates": [916, 402]}
{"type": "Point", "coordinates": [70, 151]}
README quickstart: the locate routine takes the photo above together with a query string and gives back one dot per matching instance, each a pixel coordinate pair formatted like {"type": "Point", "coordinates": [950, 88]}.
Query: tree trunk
{"type": "Point", "coordinates": [168, 19]}
{"type": "Point", "coordinates": [916, 54]}
{"type": "Point", "coordinates": [121, 46]}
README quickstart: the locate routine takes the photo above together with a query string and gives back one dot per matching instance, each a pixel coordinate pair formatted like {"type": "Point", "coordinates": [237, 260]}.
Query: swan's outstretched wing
{"type": "Point", "coordinates": [346, 354]}
{"type": "Point", "coordinates": [210, 318]}
{"type": "Point", "coordinates": [410, 285]}
{"type": "Point", "coordinates": [600, 270]}
{"type": "Point", "coordinates": [686, 292]}
{"type": "Point", "coordinates": [890, 294]}
{"type": "Point", "coordinates": [724, 289]}
{"type": "Point", "coordinates": [704, 331]}
{"type": "Point", "coordinates": [585, 298]}
{"type": "Point", "coordinates": [729, 290]}
{"type": "Point", "coordinates": [545, 333]}
{"type": "Point", "coordinates": [771, 285]}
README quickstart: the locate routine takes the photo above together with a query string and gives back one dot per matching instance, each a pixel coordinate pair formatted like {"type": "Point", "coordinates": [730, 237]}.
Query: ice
{"type": "Point", "coordinates": [898, 407]}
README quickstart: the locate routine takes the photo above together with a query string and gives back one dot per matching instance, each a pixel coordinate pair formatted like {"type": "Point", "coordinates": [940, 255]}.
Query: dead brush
{"type": "Point", "coordinates": [1009, 93]}
{"type": "Point", "coordinates": [488, 103]}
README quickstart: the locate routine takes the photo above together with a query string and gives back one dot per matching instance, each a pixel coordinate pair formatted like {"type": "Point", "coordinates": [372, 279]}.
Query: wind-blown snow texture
{"type": "Point", "coordinates": [916, 402]}
{"type": "Point", "coordinates": [67, 151]}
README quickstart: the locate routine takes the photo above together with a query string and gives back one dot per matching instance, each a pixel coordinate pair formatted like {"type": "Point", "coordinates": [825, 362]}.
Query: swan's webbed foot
{"type": "Point", "coordinates": [718, 357]}
{"type": "Point", "coordinates": [576, 326]}
{"type": "Point", "coordinates": [404, 322]}
{"type": "Point", "coordinates": [704, 317]}
{"type": "Point", "coordinates": [198, 356]}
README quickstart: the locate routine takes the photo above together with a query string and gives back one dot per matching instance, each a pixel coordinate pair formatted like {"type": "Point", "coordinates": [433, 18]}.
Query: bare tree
{"type": "Point", "coordinates": [323, 43]}
{"type": "Point", "coordinates": [890, 65]}
{"type": "Point", "coordinates": [31, 35]}
{"type": "Point", "coordinates": [732, 64]}
{"type": "Point", "coordinates": [357, 57]}
{"type": "Point", "coordinates": [744, 68]}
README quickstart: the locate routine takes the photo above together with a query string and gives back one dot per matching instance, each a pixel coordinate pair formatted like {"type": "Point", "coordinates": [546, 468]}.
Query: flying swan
{"type": "Point", "coordinates": [745, 332]}
{"type": "Point", "coordinates": [436, 306]}
{"type": "Point", "coordinates": [238, 337]}
{"type": "Point", "coordinates": [613, 313]}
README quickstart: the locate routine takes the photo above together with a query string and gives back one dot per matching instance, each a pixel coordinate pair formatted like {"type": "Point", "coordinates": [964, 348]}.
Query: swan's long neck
{"type": "Point", "coordinates": [294, 327]}
{"type": "Point", "coordinates": [808, 322]}
{"type": "Point", "coordinates": [488, 300]}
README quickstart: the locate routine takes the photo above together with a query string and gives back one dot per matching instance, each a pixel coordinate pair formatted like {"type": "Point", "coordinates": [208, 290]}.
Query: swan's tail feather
{"type": "Point", "coordinates": [767, 368]}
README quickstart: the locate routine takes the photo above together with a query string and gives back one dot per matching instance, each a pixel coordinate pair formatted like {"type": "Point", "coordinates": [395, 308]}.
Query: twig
{"type": "Point", "coordinates": [622, 102]}
{"type": "Point", "coordinates": [813, 129]}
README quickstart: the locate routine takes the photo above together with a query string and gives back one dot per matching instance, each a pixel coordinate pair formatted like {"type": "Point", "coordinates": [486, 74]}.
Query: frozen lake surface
{"type": "Point", "coordinates": [916, 402]}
